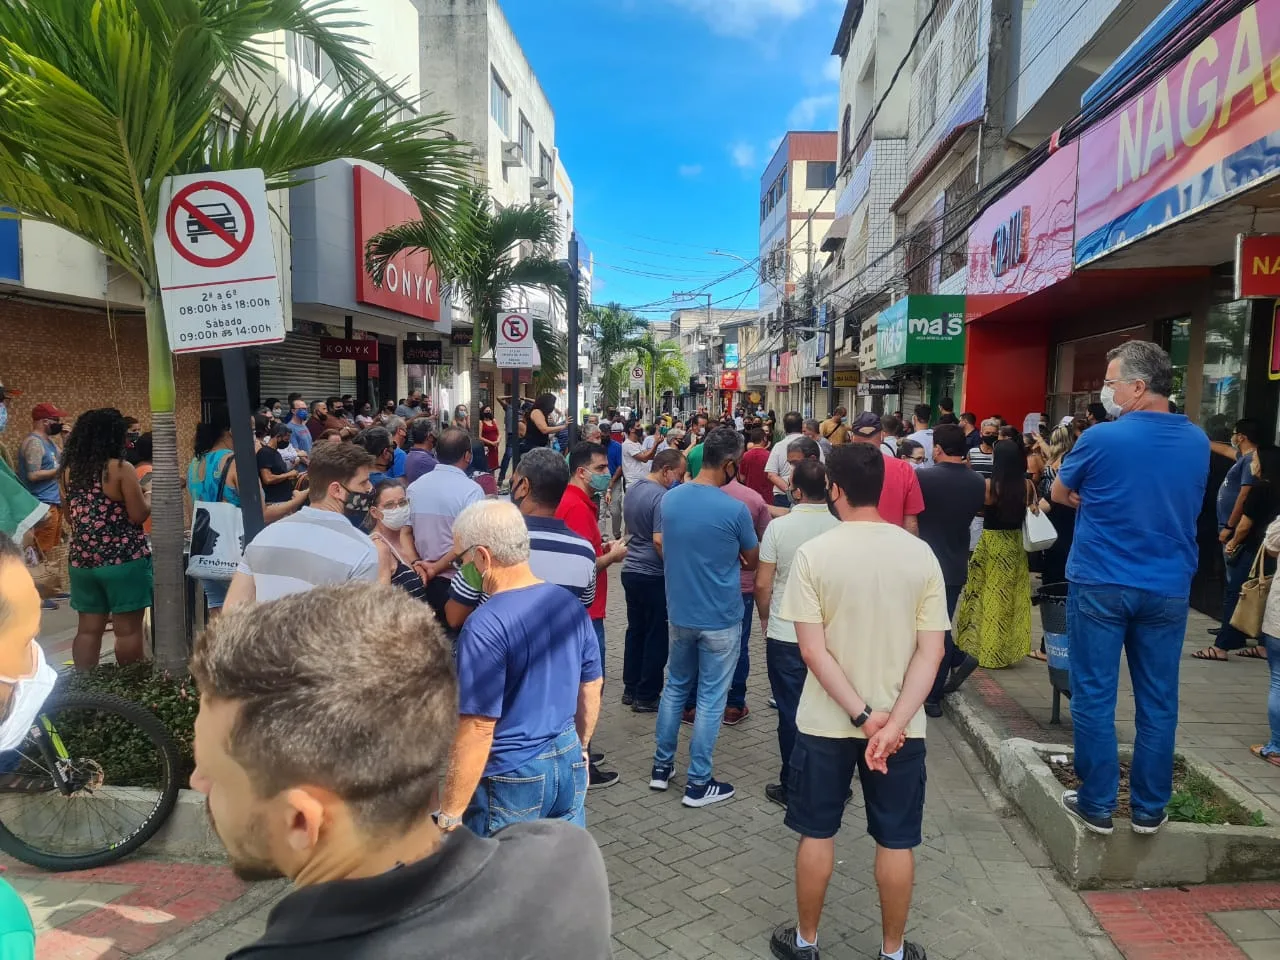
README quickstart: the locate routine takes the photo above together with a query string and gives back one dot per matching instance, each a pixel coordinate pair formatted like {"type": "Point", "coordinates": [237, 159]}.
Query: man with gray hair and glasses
{"type": "Point", "coordinates": [1130, 570]}
{"type": "Point", "coordinates": [529, 683]}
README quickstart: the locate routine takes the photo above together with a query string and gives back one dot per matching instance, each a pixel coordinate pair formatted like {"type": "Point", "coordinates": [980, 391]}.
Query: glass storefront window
{"type": "Point", "coordinates": [1226, 343]}
{"type": "Point", "coordinates": [1180, 356]}
{"type": "Point", "coordinates": [1080, 367]}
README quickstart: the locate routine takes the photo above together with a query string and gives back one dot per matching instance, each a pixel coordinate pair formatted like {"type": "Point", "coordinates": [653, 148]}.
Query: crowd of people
{"type": "Point", "coordinates": [884, 560]}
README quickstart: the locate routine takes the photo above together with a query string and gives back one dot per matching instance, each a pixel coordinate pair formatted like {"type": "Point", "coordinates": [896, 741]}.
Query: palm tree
{"type": "Point", "coordinates": [101, 100]}
{"type": "Point", "coordinates": [482, 260]}
{"type": "Point", "coordinates": [615, 331]}
{"type": "Point", "coordinates": [664, 367]}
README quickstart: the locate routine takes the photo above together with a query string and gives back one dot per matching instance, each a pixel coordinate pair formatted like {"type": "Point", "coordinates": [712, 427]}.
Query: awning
{"type": "Point", "coordinates": [836, 234]}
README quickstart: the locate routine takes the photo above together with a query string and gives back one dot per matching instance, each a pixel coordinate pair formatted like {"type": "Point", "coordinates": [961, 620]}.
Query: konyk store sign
{"type": "Point", "coordinates": [410, 285]}
{"type": "Point", "coordinates": [1199, 134]}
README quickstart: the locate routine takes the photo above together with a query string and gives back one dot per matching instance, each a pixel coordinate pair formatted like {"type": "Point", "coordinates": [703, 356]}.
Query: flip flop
{"type": "Point", "coordinates": [1206, 655]}
{"type": "Point", "coordinates": [1037, 655]}
{"type": "Point", "coordinates": [1271, 758]}
{"type": "Point", "coordinates": [1252, 653]}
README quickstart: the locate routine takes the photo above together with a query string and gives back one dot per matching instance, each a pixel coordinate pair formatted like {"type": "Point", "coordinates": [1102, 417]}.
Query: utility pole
{"type": "Point", "coordinates": [831, 360]}
{"type": "Point", "coordinates": [694, 296]}
{"type": "Point", "coordinates": [573, 337]}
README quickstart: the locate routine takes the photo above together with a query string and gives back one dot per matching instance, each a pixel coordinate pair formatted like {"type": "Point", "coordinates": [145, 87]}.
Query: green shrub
{"type": "Point", "coordinates": [125, 754]}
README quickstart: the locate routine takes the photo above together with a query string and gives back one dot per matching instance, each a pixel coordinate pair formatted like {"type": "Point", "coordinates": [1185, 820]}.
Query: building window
{"type": "Point", "coordinates": [846, 135]}
{"type": "Point", "coordinates": [820, 175]}
{"type": "Point", "coordinates": [526, 140]}
{"type": "Point", "coordinates": [312, 57]}
{"type": "Point", "coordinates": [500, 103]}
{"type": "Point", "coordinates": [546, 169]}
{"type": "Point", "coordinates": [965, 54]}
{"type": "Point", "coordinates": [926, 99]}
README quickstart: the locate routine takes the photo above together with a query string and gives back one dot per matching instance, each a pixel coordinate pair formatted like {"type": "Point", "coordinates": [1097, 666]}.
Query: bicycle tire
{"type": "Point", "coordinates": [155, 731]}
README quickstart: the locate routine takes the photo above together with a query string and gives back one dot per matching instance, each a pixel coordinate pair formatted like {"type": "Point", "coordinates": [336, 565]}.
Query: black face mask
{"type": "Point", "coordinates": [727, 478]}
{"type": "Point", "coordinates": [55, 429]}
{"type": "Point", "coordinates": [831, 504]}
{"type": "Point", "coordinates": [989, 438]}
{"type": "Point", "coordinates": [516, 501]}
{"type": "Point", "coordinates": [357, 502]}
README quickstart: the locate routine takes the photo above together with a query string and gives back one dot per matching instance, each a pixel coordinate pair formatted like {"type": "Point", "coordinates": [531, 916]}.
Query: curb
{"type": "Point", "coordinates": [255, 897]}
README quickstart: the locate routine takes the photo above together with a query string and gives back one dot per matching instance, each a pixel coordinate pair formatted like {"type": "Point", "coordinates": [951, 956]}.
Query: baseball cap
{"type": "Point", "coordinates": [8, 393]}
{"type": "Point", "coordinates": [47, 411]}
{"type": "Point", "coordinates": [618, 427]}
{"type": "Point", "coordinates": [867, 424]}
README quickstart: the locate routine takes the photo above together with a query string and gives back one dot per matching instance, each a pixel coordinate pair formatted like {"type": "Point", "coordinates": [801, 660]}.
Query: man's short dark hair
{"type": "Point", "coordinates": [294, 396]}
{"type": "Point", "coordinates": [858, 470]}
{"type": "Point", "coordinates": [547, 473]}
{"type": "Point", "coordinates": [922, 412]}
{"type": "Point", "coordinates": [1098, 411]}
{"type": "Point", "coordinates": [947, 405]}
{"type": "Point", "coordinates": [668, 459]}
{"type": "Point", "coordinates": [948, 418]}
{"type": "Point", "coordinates": [1249, 428]}
{"type": "Point", "coordinates": [756, 435]}
{"type": "Point", "coordinates": [373, 726]}
{"type": "Point", "coordinates": [969, 418]}
{"type": "Point", "coordinates": [792, 422]}
{"type": "Point", "coordinates": [950, 439]}
{"type": "Point", "coordinates": [807, 446]}
{"type": "Point", "coordinates": [374, 439]}
{"type": "Point", "coordinates": [453, 446]}
{"type": "Point", "coordinates": [890, 424]}
{"type": "Point", "coordinates": [810, 478]}
{"type": "Point", "coordinates": [583, 453]}
{"type": "Point", "coordinates": [419, 430]}
{"type": "Point", "coordinates": [722, 444]}
{"type": "Point", "coordinates": [334, 463]}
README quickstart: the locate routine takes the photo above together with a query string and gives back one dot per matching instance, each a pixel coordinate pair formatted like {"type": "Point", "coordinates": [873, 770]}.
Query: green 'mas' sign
{"type": "Point", "coordinates": [921, 329]}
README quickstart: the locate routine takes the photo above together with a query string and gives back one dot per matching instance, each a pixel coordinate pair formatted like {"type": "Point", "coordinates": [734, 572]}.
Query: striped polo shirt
{"type": "Point", "coordinates": [311, 548]}
{"type": "Point", "coordinates": [556, 555]}
{"type": "Point", "coordinates": [435, 500]}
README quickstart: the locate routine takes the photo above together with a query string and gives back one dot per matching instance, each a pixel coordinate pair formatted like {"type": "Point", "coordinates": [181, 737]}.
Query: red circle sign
{"type": "Point", "coordinates": [207, 219]}
{"type": "Point", "coordinates": [515, 327]}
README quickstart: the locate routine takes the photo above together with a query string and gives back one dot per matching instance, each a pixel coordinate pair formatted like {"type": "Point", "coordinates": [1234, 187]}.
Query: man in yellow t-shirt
{"type": "Point", "coordinates": [869, 607]}
{"type": "Point", "coordinates": [836, 427]}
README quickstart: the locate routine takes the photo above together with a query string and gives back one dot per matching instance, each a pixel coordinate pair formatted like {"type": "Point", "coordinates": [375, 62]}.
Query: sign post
{"type": "Point", "coordinates": [221, 290]}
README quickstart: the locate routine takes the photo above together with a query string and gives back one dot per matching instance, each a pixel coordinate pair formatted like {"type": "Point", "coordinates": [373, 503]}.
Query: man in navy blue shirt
{"type": "Point", "coordinates": [613, 496]}
{"type": "Point", "coordinates": [529, 683]}
{"type": "Point", "coordinates": [1130, 569]}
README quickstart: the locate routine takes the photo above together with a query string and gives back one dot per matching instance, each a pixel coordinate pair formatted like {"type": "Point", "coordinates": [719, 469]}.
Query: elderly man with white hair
{"type": "Point", "coordinates": [529, 682]}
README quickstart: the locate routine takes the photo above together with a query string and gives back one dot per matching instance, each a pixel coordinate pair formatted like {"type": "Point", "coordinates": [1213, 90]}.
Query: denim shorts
{"type": "Point", "coordinates": [819, 777]}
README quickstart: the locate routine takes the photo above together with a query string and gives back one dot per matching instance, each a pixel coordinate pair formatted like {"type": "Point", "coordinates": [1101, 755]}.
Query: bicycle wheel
{"type": "Point", "coordinates": [93, 781]}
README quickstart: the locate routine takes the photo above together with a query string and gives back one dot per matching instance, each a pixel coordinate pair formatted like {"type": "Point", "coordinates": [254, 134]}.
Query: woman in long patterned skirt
{"type": "Point", "coordinates": [993, 618]}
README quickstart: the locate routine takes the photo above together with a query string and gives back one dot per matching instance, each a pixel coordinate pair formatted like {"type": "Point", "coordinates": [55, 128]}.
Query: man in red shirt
{"type": "Point", "coordinates": [751, 470]}
{"type": "Point", "coordinates": [901, 501]}
{"type": "Point", "coordinates": [588, 475]}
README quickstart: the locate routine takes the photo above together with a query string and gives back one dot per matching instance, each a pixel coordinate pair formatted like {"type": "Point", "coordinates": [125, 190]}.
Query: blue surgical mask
{"type": "Point", "coordinates": [301, 414]}
{"type": "Point", "coordinates": [600, 482]}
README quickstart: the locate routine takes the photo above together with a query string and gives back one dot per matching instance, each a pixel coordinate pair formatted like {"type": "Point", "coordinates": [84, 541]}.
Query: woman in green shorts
{"type": "Point", "coordinates": [109, 553]}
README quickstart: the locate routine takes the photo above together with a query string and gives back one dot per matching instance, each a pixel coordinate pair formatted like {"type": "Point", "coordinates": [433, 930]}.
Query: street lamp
{"type": "Point", "coordinates": [733, 256]}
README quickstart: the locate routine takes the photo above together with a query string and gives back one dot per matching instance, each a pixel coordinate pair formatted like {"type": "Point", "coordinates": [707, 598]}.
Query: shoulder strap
{"type": "Point", "coordinates": [222, 478]}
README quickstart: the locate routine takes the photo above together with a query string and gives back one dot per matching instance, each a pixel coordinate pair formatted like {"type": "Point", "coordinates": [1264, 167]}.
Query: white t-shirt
{"type": "Point", "coordinates": [782, 538]}
{"type": "Point", "coordinates": [841, 579]}
{"type": "Point", "coordinates": [632, 469]}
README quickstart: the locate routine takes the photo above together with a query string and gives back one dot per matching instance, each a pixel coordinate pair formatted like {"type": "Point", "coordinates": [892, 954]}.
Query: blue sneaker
{"type": "Point", "coordinates": [660, 778]}
{"type": "Point", "coordinates": [1098, 825]}
{"type": "Point", "coordinates": [1146, 826]}
{"type": "Point", "coordinates": [705, 794]}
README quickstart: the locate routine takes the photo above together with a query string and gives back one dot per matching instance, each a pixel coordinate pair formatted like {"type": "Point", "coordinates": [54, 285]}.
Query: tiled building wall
{"type": "Point", "coordinates": [1053, 35]}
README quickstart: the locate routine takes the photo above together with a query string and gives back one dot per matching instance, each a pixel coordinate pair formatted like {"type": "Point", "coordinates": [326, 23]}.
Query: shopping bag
{"type": "Point", "coordinates": [1253, 599]}
{"type": "Point", "coordinates": [1038, 532]}
{"type": "Point", "coordinates": [217, 536]}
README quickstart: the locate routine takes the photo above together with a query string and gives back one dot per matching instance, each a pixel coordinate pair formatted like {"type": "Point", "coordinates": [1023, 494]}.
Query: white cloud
{"type": "Point", "coordinates": [831, 70]}
{"type": "Point", "coordinates": [814, 113]}
{"type": "Point", "coordinates": [744, 17]}
{"type": "Point", "coordinates": [690, 169]}
{"type": "Point", "coordinates": [743, 154]}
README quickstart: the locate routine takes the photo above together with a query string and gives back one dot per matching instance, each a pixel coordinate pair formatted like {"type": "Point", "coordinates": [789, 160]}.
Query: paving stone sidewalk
{"type": "Point", "coordinates": [711, 884]}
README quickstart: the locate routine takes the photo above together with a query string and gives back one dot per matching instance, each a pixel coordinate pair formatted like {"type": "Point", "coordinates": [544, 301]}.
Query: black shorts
{"type": "Point", "coordinates": [821, 773]}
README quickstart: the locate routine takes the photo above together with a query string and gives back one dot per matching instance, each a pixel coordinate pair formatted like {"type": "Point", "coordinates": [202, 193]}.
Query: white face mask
{"type": "Point", "coordinates": [29, 695]}
{"type": "Point", "coordinates": [396, 518]}
{"type": "Point", "coordinates": [1108, 398]}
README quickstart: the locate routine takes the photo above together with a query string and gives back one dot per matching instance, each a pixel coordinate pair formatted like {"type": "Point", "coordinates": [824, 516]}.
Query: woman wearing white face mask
{"type": "Point", "coordinates": [393, 536]}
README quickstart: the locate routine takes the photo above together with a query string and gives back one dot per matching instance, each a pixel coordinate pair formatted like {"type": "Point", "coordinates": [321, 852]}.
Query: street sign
{"type": "Point", "coordinates": [216, 262]}
{"type": "Point", "coordinates": [515, 347]}
{"type": "Point", "coordinates": [637, 375]}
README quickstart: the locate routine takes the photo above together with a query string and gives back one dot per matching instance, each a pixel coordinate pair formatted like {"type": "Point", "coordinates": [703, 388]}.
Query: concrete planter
{"type": "Point", "coordinates": [1181, 853]}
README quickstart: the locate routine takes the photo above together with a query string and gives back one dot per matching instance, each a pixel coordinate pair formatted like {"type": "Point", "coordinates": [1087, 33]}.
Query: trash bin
{"type": "Point", "coordinates": [1052, 600]}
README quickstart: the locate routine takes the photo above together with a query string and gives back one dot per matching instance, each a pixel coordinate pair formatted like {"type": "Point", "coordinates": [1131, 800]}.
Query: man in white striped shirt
{"type": "Point", "coordinates": [317, 545]}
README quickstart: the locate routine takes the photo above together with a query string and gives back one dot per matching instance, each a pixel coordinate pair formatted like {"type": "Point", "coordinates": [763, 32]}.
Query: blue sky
{"type": "Point", "coordinates": [667, 112]}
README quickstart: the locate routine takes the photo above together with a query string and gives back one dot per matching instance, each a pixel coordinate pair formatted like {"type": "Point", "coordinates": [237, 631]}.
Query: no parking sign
{"type": "Point", "coordinates": [217, 269]}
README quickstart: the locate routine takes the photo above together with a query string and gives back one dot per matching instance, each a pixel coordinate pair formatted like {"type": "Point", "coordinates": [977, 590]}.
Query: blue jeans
{"type": "Point", "coordinates": [953, 656]}
{"type": "Point", "coordinates": [1273, 696]}
{"type": "Point", "coordinates": [787, 674]}
{"type": "Point", "coordinates": [703, 660]}
{"type": "Point", "coordinates": [551, 786]}
{"type": "Point", "coordinates": [1101, 621]}
{"type": "Point", "coordinates": [599, 628]}
{"type": "Point", "coordinates": [738, 687]}
{"type": "Point", "coordinates": [1235, 574]}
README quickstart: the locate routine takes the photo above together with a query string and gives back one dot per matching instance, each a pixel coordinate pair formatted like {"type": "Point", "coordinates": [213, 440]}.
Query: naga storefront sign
{"type": "Point", "coordinates": [1199, 134]}
{"type": "Point", "coordinates": [921, 329]}
{"type": "Point", "coordinates": [1257, 265]}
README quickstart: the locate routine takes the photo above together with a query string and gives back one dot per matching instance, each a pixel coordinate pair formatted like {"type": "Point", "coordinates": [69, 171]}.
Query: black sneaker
{"type": "Point", "coordinates": [1099, 825]}
{"type": "Point", "coordinates": [932, 709]}
{"type": "Point", "coordinates": [783, 945]}
{"type": "Point", "coordinates": [660, 778]}
{"type": "Point", "coordinates": [598, 779]}
{"type": "Point", "coordinates": [597, 756]}
{"type": "Point", "coordinates": [705, 794]}
{"type": "Point", "coordinates": [645, 706]}
{"type": "Point", "coordinates": [627, 699]}
{"type": "Point", "coordinates": [773, 703]}
{"type": "Point", "coordinates": [777, 793]}
{"type": "Point", "coordinates": [960, 674]}
{"type": "Point", "coordinates": [910, 951]}
{"type": "Point", "coordinates": [1145, 826]}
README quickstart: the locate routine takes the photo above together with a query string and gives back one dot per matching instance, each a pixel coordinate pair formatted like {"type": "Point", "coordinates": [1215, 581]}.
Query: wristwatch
{"type": "Point", "coordinates": [863, 717]}
{"type": "Point", "coordinates": [446, 822]}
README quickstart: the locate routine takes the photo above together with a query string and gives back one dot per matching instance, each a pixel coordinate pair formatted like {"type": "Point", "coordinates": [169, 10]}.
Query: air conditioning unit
{"type": "Point", "coordinates": [537, 183]}
{"type": "Point", "coordinates": [542, 193]}
{"type": "Point", "coordinates": [512, 154]}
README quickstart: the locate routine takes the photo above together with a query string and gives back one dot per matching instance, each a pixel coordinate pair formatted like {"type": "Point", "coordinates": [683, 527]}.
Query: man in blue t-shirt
{"type": "Point", "coordinates": [1230, 508]}
{"type": "Point", "coordinates": [1130, 569]}
{"type": "Point", "coordinates": [707, 539]}
{"type": "Point", "coordinates": [529, 683]}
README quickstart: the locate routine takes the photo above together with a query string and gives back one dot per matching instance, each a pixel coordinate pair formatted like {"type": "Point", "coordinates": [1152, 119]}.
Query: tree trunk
{"type": "Point", "coordinates": [168, 614]}
{"type": "Point", "coordinates": [473, 402]}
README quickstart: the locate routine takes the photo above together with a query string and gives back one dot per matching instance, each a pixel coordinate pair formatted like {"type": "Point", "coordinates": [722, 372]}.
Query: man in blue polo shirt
{"type": "Point", "coordinates": [1130, 569]}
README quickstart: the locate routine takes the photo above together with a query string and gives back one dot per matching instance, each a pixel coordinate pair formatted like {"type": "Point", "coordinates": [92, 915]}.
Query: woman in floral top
{"type": "Point", "coordinates": [109, 553]}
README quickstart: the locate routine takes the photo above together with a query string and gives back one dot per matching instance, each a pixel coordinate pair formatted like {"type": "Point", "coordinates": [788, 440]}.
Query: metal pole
{"type": "Point", "coordinates": [236, 377]}
{"type": "Point", "coordinates": [573, 332]}
{"type": "Point", "coordinates": [831, 362]}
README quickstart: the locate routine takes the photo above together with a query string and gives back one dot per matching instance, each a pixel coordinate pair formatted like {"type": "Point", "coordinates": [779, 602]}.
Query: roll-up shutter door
{"type": "Point", "coordinates": [294, 366]}
{"type": "Point", "coordinates": [912, 393]}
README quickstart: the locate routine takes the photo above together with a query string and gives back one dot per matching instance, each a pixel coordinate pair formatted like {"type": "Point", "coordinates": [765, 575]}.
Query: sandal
{"type": "Point", "coordinates": [1252, 653]}
{"type": "Point", "coordinates": [1211, 653]}
{"type": "Point", "coordinates": [1038, 655]}
{"type": "Point", "coordinates": [1271, 758]}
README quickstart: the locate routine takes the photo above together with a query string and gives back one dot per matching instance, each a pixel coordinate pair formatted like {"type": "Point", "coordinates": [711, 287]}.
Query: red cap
{"type": "Point", "coordinates": [47, 411]}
